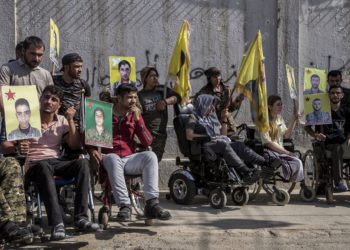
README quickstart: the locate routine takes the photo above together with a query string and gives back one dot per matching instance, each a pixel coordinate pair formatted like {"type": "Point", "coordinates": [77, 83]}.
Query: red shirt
{"type": "Point", "coordinates": [124, 131]}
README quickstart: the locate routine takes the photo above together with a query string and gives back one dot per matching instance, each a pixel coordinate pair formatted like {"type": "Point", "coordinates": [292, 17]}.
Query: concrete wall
{"type": "Point", "coordinates": [295, 32]}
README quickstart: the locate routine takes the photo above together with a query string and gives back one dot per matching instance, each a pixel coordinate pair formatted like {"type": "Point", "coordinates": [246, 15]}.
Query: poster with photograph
{"type": "Point", "coordinates": [54, 43]}
{"type": "Point", "coordinates": [317, 109]}
{"type": "Point", "coordinates": [22, 115]}
{"type": "Point", "coordinates": [122, 70]}
{"type": "Point", "coordinates": [98, 123]}
{"type": "Point", "coordinates": [291, 82]}
{"type": "Point", "coordinates": [315, 81]}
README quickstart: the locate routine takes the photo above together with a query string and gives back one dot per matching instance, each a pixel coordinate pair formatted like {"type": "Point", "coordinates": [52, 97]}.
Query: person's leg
{"type": "Point", "coordinates": [12, 202]}
{"type": "Point", "coordinates": [145, 163]}
{"type": "Point", "coordinates": [247, 154]}
{"type": "Point", "coordinates": [337, 166]}
{"type": "Point", "coordinates": [42, 173]}
{"type": "Point", "coordinates": [158, 145]}
{"type": "Point", "coordinates": [114, 166]}
{"type": "Point", "coordinates": [12, 198]}
{"type": "Point", "coordinates": [224, 149]}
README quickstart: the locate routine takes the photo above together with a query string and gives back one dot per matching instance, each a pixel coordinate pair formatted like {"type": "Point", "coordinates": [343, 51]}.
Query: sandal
{"type": "Point", "coordinates": [58, 232]}
{"type": "Point", "coordinates": [84, 225]}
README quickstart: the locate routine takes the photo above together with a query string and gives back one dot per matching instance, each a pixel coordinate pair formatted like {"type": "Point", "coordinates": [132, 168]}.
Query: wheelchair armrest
{"type": "Point", "coordinates": [202, 139]}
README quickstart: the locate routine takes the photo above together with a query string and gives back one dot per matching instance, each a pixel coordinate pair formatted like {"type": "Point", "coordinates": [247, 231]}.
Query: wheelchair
{"type": "Point", "coordinates": [203, 174]}
{"type": "Point", "coordinates": [134, 185]}
{"type": "Point", "coordinates": [318, 168]}
{"type": "Point", "coordinates": [280, 196]}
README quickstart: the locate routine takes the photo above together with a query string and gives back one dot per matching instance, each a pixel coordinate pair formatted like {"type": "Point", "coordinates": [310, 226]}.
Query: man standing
{"type": "Point", "coordinates": [335, 134]}
{"type": "Point", "coordinates": [124, 68]}
{"type": "Point", "coordinates": [155, 108]}
{"type": "Point", "coordinates": [74, 88]}
{"type": "Point", "coordinates": [26, 70]}
{"type": "Point", "coordinates": [317, 116]}
{"type": "Point", "coordinates": [334, 78]}
{"type": "Point", "coordinates": [24, 130]}
{"type": "Point", "coordinates": [122, 159]}
{"type": "Point", "coordinates": [44, 162]}
{"type": "Point", "coordinates": [315, 82]}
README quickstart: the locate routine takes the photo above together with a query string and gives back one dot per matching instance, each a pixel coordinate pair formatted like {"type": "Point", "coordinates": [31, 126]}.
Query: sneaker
{"type": "Point", "coordinates": [85, 225]}
{"type": "Point", "coordinates": [340, 188]}
{"type": "Point", "coordinates": [124, 213]}
{"type": "Point", "coordinates": [58, 232]}
{"type": "Point", "coordinates": [156, 212]}
{"type": "Point", "coordinates": [12, 231]}
{"type": "Point", "coordinates": [35, 229]}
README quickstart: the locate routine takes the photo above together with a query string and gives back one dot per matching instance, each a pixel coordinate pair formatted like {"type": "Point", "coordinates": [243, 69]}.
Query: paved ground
{"type": "Point", "coordinates": [259, 225]}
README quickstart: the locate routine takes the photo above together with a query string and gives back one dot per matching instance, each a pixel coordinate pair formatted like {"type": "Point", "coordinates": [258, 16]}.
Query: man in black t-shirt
{"type": "Point", "coordinates": [73, 87]}
{"type": "Point", "coordinates": [335, 134]}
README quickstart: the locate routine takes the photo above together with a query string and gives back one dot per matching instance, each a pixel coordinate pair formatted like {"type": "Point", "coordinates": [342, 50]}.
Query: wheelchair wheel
{"type": "Point", "coordinates": [240, 196]}
{"type": "Point", "coordinates": [307, 193]}
{"type": "Point", "coordinates": [329, 195]}
{"type": "Point", "coordinates": [103, 216]}
{"type": "Point", "coordinates": [255, 189]}
{"type": "Point", "coordinates": [138, 202]}
{"type": "Point", "coordinates": [280, 197]}
{"type": "Point", "coordinates": [309, 169]}
{"type": "Point", "coordinates": [182, 190]}
{"type": "Point", "coordinates": [270, 190]}
{"type": "Point", "coordinates": [217, 199]}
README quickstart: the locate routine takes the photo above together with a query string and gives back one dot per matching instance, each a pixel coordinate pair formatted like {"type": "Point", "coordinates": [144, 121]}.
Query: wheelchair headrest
{"type": "Point", "coordinates": [183, 109]}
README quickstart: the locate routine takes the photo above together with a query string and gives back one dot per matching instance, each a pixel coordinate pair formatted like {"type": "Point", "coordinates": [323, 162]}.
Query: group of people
{"type": "Point", "coordinates": [142, 113]}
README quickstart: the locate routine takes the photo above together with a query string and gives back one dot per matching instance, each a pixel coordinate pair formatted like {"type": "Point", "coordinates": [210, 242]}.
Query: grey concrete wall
{"type": "Point", "coordinates": [294, 32]}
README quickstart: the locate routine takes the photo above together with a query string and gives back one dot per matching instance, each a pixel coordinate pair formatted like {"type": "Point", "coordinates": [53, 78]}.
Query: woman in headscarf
{"type": "Point", "coordinates": [205, 124]}
{"type": "Point", "coordinates": [224, 103]}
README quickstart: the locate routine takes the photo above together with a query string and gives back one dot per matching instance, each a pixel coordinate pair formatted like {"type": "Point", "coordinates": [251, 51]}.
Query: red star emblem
{"type": "Point", "coordinates": [308, 71]}
{"type": "Point", "coordinates": [10, 95]}
{"type": "Point", "coordinates": [90, 104]}
{"type": "Point", "coordinates": [307, 99]}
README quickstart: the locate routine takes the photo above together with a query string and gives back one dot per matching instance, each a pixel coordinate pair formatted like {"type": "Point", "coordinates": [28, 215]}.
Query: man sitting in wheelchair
{"type": "Point", "coordinates": [204, 126]}
{"type": "Point", "coordinates": [332, 136]}
{"type": "Point", "coordinates": [43, 155]}
{"type": "Point", "coordinates": [122, 159]}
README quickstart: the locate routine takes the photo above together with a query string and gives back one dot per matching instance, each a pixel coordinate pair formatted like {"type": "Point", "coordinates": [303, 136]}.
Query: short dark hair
{"type": "Point", "coordinates": [21, 101]}
{"type": "Point", "coordinates": [33, 40]}
{"type": "Point", "coordinates": [334, 73]}
{"type": "Point", "coordinates": [54, 90]}
{"type": "Point", "coordinates": [19, 46]}
{"type": "Point", "coordinates": [315, 75]}
{"type": "Point", "coordinates": [123, 62]}
{"type": "Point", "coordinates": [124, 89]}
{"type": "Point", "coordinates": [335, 87]}
{"type": "Point", "coordinates": [99, 109]}
{"type": "Point", "coordinates": [316, 99]}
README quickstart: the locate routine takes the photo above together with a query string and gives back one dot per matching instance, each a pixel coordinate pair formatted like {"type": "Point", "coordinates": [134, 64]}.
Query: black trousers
{"type": "Point", "coordinates": [236, 154]}
{"type": "Point", "coordinates": [43, 172]}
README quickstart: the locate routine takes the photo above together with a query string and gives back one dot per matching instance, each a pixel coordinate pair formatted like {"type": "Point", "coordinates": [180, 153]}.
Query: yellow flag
{"type": "Point", "coordinates": [54, 42]}
{"type": "Point", "coordinates": [251, 81]}
{"type": "Point", "coordinates": [179, 67]}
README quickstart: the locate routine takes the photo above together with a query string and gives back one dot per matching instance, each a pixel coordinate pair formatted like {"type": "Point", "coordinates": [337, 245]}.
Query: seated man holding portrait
{"type": "Point", "coordinates": [334, 135]}
{"type": "Point", "coordinates": [44, 162]}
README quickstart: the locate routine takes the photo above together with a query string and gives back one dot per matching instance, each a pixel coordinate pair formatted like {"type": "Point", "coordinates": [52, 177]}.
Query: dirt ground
{"type": "Point", "coordinates": [258, 225]}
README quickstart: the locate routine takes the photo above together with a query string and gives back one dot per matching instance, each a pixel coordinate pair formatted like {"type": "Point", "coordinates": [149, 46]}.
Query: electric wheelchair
{"type": "Point", "coordinates": [203, 173]}
{"type": "Point", "coordinates": [318, 168]}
